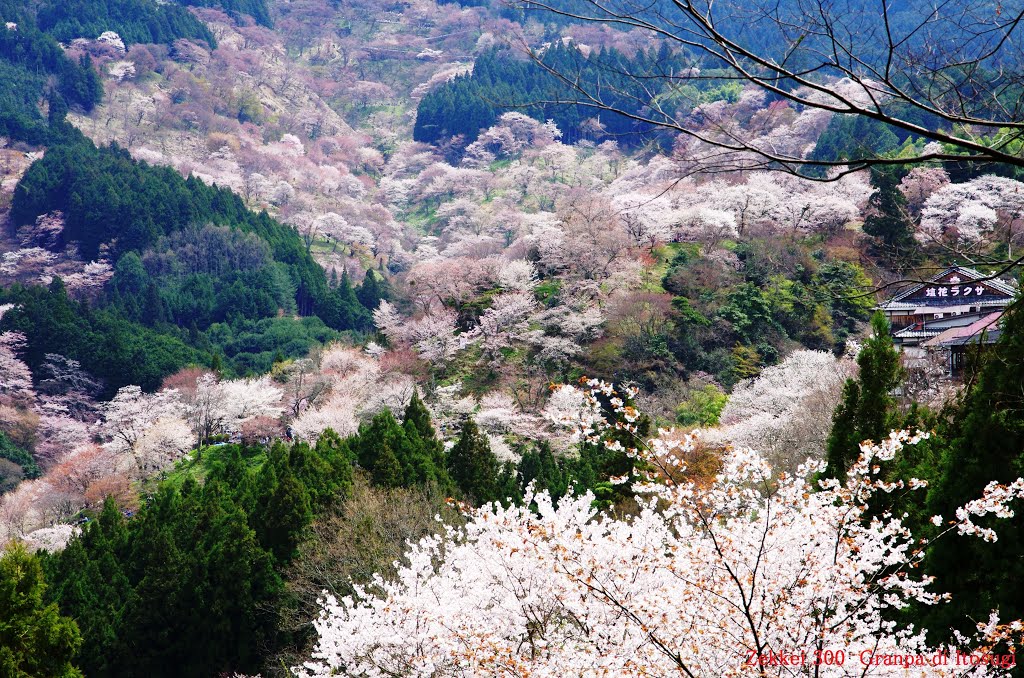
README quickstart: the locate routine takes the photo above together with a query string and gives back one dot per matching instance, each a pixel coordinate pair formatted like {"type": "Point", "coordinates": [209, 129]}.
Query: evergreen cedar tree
{"type": "Point", "coordinates": [31, 57]}
{"type": "Point", "coordinates": [888, 220]}
{"type": "Point", "coordinates": [35, 640]}
{"type": "Point", "coordinates": [213, 554]}
{"type": "Point", "coordinates": [135, 21]}
{"type": "Point", "coordinates": [210, 554]}
{"type": "Point", "coordinates": [975, 440]}
{"type": "Point", "coordinates": [402, 455]}
{"type": "Point", "coordinates": [150, 323]}
{"type": "Point", "coordinates": [867, 410]}
{"type": "Point", "coordinates": [29, 60]}
{"type": "Point", "coordinates": [473, 466]}
{"type": "Point", "coordinates": [471, 103]}
{"type": "Point", "coordinates": [981, 442]}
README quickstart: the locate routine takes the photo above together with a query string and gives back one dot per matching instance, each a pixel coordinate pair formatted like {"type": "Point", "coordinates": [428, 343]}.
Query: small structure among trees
{"type": "Point", "coordinates": [957, 342]}
{"type": "Point", "coordinates": [956, 297]}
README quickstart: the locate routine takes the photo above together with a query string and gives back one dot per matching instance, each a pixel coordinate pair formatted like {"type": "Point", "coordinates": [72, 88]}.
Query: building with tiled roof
{"type": "Point", "coordinates": [955, 341]}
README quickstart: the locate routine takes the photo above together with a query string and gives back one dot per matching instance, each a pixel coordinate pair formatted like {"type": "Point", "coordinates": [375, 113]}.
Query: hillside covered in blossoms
{"type": "Point", "coordinates": [501, 338]}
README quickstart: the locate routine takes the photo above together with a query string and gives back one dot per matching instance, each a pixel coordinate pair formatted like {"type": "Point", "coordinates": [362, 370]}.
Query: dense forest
{"type": "Point", "coordinates": [220, 541]}
{"type": "Point", "coordinates": [501, 82]}
{"type": "Point", "coordinates": [135, 21]}
{"type": "Point", "coordinates": [30, 58]}
{"type": "Point", "coordinates": [180, 292]}
{"type": "Point", "coordinates": [341, 338]}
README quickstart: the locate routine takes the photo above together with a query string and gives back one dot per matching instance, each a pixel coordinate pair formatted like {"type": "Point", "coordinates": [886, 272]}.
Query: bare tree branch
{"type": "Point", "coordinates": [955, 62]}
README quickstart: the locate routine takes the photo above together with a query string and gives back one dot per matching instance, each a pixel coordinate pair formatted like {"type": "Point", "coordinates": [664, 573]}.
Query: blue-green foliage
{"type": "Point", "coordinates": [196, 274]}
{"type": "Point", "coordinates": [33, 67]}
{"type": "Point", "coordinates": [136, 21]}
{"type": "Point", "coordinates": [500, 83]}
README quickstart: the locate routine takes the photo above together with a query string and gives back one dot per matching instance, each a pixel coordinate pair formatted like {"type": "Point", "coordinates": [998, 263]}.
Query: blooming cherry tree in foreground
{"type": "Point", "coordinates": [702, 581]}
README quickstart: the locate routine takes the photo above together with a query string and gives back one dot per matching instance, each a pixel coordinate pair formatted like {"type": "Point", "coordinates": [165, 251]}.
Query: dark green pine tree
{"type": "Point", "coordinates": [206, 590]}
{"type": "Point", "coordinates": [325, 471]}
{"type": "Point", "coordinates": [282, 507]}
{"type": "Point", "coordinates": [507, 489]}
{"type": "Point", "coordinates": [427, 451]}
{"type": "Point", "coordinates": [58, 109]}
{"type": "Point", "coordinates": [472, 465]}
{"type": "Point", "coordinates": [88, 580]}
{"type": "Point", "coordinates": [88, 88]}
{"type": "Point", "coordinates": [154, 309]}
{"type": "Point", "coordinates": [351, 309]}
{"type": "Point", "coordinates": [35, 640]}
{"type": "Point", "coordinates": [372, 291]}
{"type": "Point", "coordinates": [337, 452]}
{"type": "Point", "coordinates": [888, 221]}
{"type": "Point", "coordinates": [381, 447]}
{"type": "Point", "coordinates": [387, 469]}
{"type": "Point", "coordinates": [539, 466]}
{"type": "Point", "coordinates": [868, 409]}
{"type": "Point", "coordinates": [985, 443]}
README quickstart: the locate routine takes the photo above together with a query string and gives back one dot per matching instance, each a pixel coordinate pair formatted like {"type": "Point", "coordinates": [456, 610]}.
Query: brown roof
{"type": "Point", "coordinates": [974, 329]}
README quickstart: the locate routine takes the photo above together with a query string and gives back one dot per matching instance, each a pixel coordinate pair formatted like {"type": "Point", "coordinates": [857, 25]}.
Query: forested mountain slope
{"type": "Point", "coordinates": [287, 287]}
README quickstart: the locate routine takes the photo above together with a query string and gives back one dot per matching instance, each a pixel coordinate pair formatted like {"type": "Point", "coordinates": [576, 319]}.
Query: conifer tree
{"type": "Point", "coordinates": [35, 640]}
{"type": "Point", "coordinates": [381, 447]}
{"type": "Point", "coordinates": [985, 442]}
{"type": "Point", "coordinates": [282, 510]}
{"type": "Point", "coordinates": [325, 471]}
{"type": "Point", "coordinates": [888, 220]}
{"type": "Point", "coordinates": [868, 408]}
{"type": "Point", "coordinates": [372, 291]}
{"type": "Point", "coordinates": [89, 582]}
{"type": "Point", "coordinates": [473, 466]}
{"type": "Point", "coordinates": [539, 466]}
{"type": "Point", "coordinates": [428, 452]}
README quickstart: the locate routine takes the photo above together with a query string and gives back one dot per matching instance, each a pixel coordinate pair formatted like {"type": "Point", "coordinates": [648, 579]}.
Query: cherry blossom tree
{"type": "Point", "coordinates": [589, 240]}
{"type": "Point", "coordinates": [51, 539]}
{"type": "Point", "coordinates": [130, 414]}
{"type": "Point", "coordinates": [500, 415]}
{"type": "Point", "coordinates": [221, 407]}
{"type": "Point", "coordinates": [513, 133]}
{"type": "Point", "coordinates": [46, 231]}
{"type": "Point", "coordinates": [504, 322]}
{"type": "Point", "coordinates": [967, 217]}
{"type": "Point", "coordinates": [65, 388]}
{"type": "Point", "coordinates": [166, 441]}
{"type": "Point", "coordinates": [57, 435]}
{"type": "Point", "coordinates": [433, 336]}
{"type": "Point", "coordinates": [714, 578]}
{"type": "Point", "coordinates": [15, 377]}
{"type": "Point", "coordinates": [517, 275]}
{"type": "Point", "coordinates": [920, 183]}
{"type": "Point", "coordinates": [786, 411]}
{"type": "Point", "coordinates": [356, 387]}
